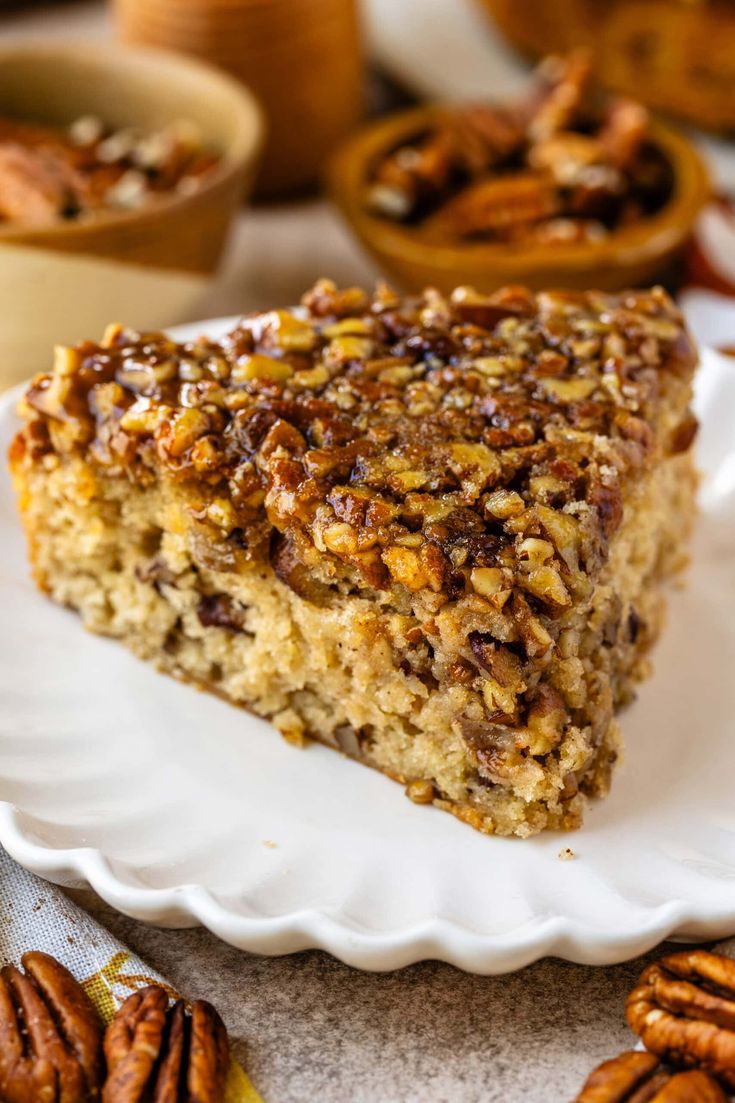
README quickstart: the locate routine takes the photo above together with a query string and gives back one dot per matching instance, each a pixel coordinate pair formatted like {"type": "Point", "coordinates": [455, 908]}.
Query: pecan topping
{"type": "Point", "coordinates": [637, 1077]}
{"type": "Point", "coordinates": [684, 1010]}
{"type": "Point", "coordinates": [50, 1035]}
{"type": "Point", "coordinates": [158, 1053]}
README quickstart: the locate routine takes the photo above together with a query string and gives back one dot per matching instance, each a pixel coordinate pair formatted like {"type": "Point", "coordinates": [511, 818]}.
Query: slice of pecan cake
{"type": "Point", "coordinates": [429, 532]}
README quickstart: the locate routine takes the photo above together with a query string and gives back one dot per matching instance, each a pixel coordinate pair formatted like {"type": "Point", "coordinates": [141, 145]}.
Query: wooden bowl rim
{"type": "Point", "coordinates": [240, 151]}
{"type": "Point", "coordinates": [642, 241]}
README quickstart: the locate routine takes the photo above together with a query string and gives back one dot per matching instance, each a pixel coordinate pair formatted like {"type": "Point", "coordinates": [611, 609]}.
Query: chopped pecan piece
{"type": "Point", "coordinates": [49, 174]}
{"type": "Point", "coordinates": [614, 1081]}
{"type": "Point", "coordinates": [50, 1035]}
{"type": "Point", "coordinates": [487, 310]}
{"type": "Point", "coordinates": [624, 132]}
{"type": "Point", "coordinates": [637, 1077]}
{"type": "Point", "coordinates": [684, 1010]}
{"type": "Point", "coordinates": [294, 573]}
{"type": "Point", "coordinates": [158, 1053]}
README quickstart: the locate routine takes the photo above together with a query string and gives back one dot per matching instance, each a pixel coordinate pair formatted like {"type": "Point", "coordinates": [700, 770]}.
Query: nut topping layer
{"type": "Point", "coordinates": [472, 445]}
{"type": "Point", "coordinates": [684, 1010]}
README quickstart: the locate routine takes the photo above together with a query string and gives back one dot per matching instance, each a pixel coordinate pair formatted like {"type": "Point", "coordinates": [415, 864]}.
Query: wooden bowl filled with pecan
{"type": "Point", "coordinates": [565, 188]}
{"type": "Point", "coordinates": [120, 173]}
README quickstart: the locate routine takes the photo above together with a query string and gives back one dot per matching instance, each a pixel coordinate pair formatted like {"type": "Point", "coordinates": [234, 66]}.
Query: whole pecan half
{"type": "Point", "coordinates": [637, 1077]}
{"type": "Point", "coordinates": [684, 1010]}
{"type": "Point", "coordinates": [158, 1053]}
{"type": "Point", "coordinates": [50, 1035]}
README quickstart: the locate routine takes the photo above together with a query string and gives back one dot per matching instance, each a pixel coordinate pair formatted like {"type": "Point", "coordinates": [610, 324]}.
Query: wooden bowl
{"type": "Point", "coordinates": [301, 58]}
{"type": "Point", "coordinates": [675, 56]}
{"type": "Point", "coordinates": [633, 256]}
{"type": "Point", "coordinates": [147, 267]}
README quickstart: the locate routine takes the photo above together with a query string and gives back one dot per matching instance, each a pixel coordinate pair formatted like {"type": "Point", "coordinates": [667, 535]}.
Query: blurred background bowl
{"type": "Point", "coordinates": [632, 256]}
{"type": "Point", "coordinates": [677, 56]}
{"type": "Point", "coordinates": [65, 281]}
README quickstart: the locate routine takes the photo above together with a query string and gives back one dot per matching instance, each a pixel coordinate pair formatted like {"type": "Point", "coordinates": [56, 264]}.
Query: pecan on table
{"type": "Point", "coordinates": [638, 1077]}
{"type": "Point", "coordinates": [684, 1011]}
{"type": "Point", "coordinates": [50, 1035]}
{"type": "Point", "coordinates": [159, 1053]}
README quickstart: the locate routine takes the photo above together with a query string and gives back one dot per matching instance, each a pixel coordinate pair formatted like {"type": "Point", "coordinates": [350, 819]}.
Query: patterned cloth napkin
{"type": "Point", "coordinates": [35, 915]}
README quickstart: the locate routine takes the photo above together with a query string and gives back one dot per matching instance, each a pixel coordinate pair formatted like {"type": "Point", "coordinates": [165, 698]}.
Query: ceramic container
{"type": "Point", "coordinates": [301, 58]}
{"type": "Point", "coordinates": [146, 267]}
{"type": "Point", "coordinates": [635, 255]}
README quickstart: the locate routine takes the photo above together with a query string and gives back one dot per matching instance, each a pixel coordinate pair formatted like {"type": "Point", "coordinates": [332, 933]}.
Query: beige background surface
{"type": "Point", "coordinates": [307, 1027]}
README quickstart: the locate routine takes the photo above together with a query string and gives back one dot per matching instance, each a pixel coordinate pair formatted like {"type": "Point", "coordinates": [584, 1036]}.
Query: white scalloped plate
{"type": "Point", "coordinates": [179, 809]}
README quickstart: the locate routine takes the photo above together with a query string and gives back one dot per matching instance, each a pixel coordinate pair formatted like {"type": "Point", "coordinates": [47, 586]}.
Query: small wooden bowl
{"type": "Point", "coordinates": [676, 57]}
{"type": "Point", "coordinates": [147, 267]}
{"type": "Point", "coordinates": [634, 256]}
{"type": "Point", "coordinates": [301, 58]}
